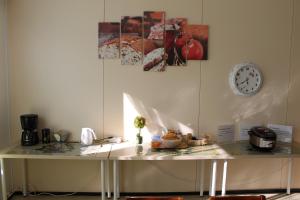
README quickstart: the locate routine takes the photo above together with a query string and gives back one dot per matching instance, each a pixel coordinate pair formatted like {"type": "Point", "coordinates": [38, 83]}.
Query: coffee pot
{"type": "Point", "coordinates": [29, 125]}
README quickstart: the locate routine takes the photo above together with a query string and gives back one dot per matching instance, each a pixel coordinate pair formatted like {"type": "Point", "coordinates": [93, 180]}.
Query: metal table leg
{"type": "Point", "coordinates": [202, 169]}
{"type": "Point", "coordinates": [3, 181]}
{"type": "Point", "coordinates": [115, 178]}
{"type": "Point", "coordinates": [102, 180]}
{"type": "Point", "coordinates": [213, 178]}
{"type": "Point", "coordinates": [118, 179]}
{"type": "Point", "coordinates": [108, 179]}
{"type": "Point", "coordinates": [290, 165]}
{"type": "Point", "coordinates": [224, 177]}
{"type": "Point", "coordinates": [24, 177]}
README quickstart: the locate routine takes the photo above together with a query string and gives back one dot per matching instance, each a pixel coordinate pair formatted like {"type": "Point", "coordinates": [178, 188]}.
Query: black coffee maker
{"type": "Point", "coordinates": [29, 125]}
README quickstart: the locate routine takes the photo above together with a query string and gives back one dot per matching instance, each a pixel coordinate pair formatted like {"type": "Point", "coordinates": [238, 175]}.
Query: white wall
{"type": "Point", "coordinates": [4, 125]}
{"type": "Point", "coordinates": [55, 72]}
{"type": "Point", "coordinates": [4, 133]}
{"type": "Point", "coordinates": [294, 87]}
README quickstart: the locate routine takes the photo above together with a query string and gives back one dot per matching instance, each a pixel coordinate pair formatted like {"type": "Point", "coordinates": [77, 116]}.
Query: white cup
{"type": "Point", "coordinates": [87, 136]}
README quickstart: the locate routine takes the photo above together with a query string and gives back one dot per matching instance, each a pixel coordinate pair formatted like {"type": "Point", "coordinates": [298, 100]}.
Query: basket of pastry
{"type": "Point", "coordinates": [169, 140]}
{"type": "Point", "coordinates": [194, 141]}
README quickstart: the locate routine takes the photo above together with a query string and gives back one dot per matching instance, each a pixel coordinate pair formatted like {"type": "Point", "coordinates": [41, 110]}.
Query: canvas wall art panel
{"type": "Point", "coordinates": [175, 41]}
{"type": "Point", "coordinates": [154, 25]}
{"type": "Point", "coordinates": [197, 42]}
{"type": "Point", "coordinates": [153, 43]}
{"type": "Point", "coordinates": [109, 40]}
{"type": "Point", "coordinates": [131, 40]}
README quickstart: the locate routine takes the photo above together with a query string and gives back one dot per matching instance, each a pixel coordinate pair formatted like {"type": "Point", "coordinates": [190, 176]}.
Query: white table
{"type": "Point", "coordinates": [243, 150]}
{"type": "Point", "coordinates": [224, 152]}
{"type": "Point", "coordinates": [68, 151]}
{"type": "Point", "coordinates": [128, 151]}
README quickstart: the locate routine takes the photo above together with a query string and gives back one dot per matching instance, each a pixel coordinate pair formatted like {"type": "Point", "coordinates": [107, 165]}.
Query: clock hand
{"type": "Point", "coordinates": [247, 79]}
{"type": "Point", "coordinates": [243, 87]}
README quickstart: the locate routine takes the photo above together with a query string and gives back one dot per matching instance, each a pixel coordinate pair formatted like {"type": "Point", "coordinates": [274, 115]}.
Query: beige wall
{"type": "Point", "coordinates": [4, 132]}
{"type": "Point", "coordinates": [294, 86]}
{"type": "Point", "coordinates": [54, 71]}
{"type": "Point", "coordinates": [4, 117]}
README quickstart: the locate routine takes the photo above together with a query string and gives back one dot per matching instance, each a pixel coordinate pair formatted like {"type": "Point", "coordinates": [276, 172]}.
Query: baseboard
{"type": "Point", "coordinates": [260, 191]}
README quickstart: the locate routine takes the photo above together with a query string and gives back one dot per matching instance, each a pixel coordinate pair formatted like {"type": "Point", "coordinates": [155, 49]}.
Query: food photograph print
{"type": "Point", "coordinates": [131, 40]}
{"type": "Point", "coordinates": [152, 41]}
{"type": "Point", "coordinates": [196, 42]}
{"type": "Point", "coordinates": [154, 29]}
{"type": "Point", "coordinates": [175, 41]}
{"type": "Point", "coordinates": [109, 40]}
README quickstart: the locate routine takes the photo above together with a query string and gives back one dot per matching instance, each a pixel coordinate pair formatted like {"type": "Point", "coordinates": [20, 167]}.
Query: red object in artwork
{"type": "Point", "coordinates": [193, 50]}
{"type": "Point", "coordinates": [181, 41]}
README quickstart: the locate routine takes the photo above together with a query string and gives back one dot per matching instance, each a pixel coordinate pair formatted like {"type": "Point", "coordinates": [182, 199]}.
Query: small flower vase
{"type": "Point", "coordinates": [139, 139]}
{"type": "Point", "coordinates": [139, 149]}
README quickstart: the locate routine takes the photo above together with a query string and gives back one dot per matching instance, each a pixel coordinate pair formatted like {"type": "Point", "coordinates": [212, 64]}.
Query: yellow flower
{"type": "Point", "coordinates": [139, 122]}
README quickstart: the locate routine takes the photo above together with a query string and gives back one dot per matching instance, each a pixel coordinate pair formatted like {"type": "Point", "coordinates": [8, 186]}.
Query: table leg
{"type": "Point", "coordinates": [224, 177]}
{"type": "Point", "coordinates": [290, 165]}
{"type": "Point", "coordinates": [108, 179]}
{"type": "Point", "coordinates": [213, 178]}
{"type": "Point", "coordinates": [202, 169]}
{"type": "Point", "coordinates": [3, 181]}
{"type": "Point", "coordinates": [118, 179]}
{"type": "Point", "coordinates": [102, 180]}
{"type": "Point", "coordinates": [115, 178]}
{"type": "Point", "coordinates": [24, 177]}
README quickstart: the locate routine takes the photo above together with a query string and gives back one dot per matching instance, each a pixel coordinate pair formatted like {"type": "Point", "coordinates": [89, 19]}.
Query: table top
{"type": "Point", "coordinates": [236, 150]}
{"type": "Point", "coordinates": [242, 149]}
{"type": "Point", "coordinates": [129, 151]}
{"type": "Point", "coordinates": [58, 151]}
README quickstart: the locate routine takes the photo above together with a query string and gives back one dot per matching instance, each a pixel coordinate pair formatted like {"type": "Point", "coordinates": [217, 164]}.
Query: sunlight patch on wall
{"type": "Point", "coordinates": [262, 103]}
{"type": "Point", "coordinates": [130, 112]}
{"type": "Point", "coordinates": [156, 122]}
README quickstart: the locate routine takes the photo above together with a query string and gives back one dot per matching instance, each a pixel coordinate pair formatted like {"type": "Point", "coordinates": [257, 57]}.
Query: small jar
{"type": "Point", "coordinates": [46, 136]}
{"type": "Point", "coordinates": [156, 141]}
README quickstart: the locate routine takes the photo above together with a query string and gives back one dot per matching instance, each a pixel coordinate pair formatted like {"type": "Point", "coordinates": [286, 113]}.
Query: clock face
{"type": "Point", "coordinates": [245, 79]}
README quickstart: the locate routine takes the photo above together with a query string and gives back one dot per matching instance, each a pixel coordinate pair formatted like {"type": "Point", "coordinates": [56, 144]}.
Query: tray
{"type": "Point", "coordinates": [180, 146]}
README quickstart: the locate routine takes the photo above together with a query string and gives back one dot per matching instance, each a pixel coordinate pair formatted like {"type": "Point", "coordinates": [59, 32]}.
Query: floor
{"type": "Point", "coordinates": [189, 197]}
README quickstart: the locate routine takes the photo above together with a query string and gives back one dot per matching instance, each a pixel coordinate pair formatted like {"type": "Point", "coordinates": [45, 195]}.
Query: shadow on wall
{"type": "Point", "coordinates": [260, 104]}
{"type": "Point", "coordinates": [156, 122]}
{"type": "Point", "coordinates": [294, 97]}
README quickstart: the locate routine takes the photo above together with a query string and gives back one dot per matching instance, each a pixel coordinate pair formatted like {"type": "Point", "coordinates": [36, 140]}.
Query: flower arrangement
{"type": "Point", "coordinates": [139, 122]}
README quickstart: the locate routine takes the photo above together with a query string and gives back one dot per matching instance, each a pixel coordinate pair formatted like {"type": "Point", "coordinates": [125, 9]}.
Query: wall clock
{"type": "Point", "coordinates": [245, 79]}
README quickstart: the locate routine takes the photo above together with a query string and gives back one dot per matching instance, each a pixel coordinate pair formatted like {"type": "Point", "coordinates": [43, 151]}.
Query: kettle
{"type": "Point", "coordinates": [87, 136]}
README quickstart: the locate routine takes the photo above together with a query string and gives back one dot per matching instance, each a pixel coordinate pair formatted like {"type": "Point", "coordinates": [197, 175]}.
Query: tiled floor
{"type": "Point", "coordinates": [189, 197]}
